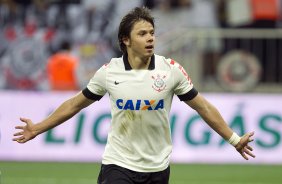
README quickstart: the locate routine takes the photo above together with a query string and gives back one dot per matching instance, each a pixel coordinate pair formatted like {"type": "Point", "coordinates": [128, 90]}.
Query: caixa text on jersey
{"type": "Point", "coordinates": [140, 104]}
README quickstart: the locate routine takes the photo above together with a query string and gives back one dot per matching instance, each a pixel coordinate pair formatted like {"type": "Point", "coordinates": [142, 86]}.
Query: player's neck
{"type": "Point", "coordinates": [138, 63]}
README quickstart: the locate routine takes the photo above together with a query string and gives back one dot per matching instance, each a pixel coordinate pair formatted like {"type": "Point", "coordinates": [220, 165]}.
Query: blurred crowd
{"type": "Point", "coordinates": [59, 44]}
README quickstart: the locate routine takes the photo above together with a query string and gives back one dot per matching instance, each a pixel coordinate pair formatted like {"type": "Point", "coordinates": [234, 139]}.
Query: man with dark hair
{"type": "Point", "coordinates": [141, 86]}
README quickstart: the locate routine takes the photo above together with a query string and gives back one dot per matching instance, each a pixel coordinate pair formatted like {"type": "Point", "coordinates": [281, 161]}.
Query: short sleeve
{"type": "Point", "coordinates": [97, 84]}
{"type": "Point", "coordinates": [183, 86]}
{"type": "Point", "coordinates": [182, 82]}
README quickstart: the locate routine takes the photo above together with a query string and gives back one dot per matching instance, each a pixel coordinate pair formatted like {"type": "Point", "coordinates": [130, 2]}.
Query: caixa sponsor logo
{"type": "Point", "coordinates": [140, 104]}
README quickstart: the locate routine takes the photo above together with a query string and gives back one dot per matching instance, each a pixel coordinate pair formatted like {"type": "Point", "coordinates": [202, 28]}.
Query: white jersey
{"type": "Point", "coordinates": [139, 138]}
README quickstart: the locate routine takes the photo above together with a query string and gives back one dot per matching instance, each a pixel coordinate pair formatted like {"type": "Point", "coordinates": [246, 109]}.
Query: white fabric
{"type": "Point", "coordinates": [234, 139]}
{"type": "Point", "coordinates": [139, 138]}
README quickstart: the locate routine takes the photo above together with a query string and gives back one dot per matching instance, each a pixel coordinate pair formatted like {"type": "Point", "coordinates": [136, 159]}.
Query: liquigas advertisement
{"type": "Point", "coordinates": [83, 137]}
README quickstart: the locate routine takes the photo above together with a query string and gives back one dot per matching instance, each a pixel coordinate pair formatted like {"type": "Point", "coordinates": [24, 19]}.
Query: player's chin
{"type": "Point", "coordinates": [149, 53]}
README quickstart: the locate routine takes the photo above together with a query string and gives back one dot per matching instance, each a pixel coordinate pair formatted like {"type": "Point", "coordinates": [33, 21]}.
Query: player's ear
{"type": "Point", "coordinates": [126, 41]}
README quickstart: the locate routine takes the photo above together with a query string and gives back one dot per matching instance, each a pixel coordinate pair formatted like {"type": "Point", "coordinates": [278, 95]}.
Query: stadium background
{"type": "Point", "coordinates": [232, 50]}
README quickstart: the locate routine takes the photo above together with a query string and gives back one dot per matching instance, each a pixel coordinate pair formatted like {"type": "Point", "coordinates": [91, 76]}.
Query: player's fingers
{"type": "Point", "coordinates": [19, 127]}
{"type": "Point", "coordinates": [18, 133]}
{"type": "Point", "coordinates": [18, 138]}
{"type": "Point", "coordinates": [249, 148]}
{"type": "Point", "coordinates": [244, 156]}
{"type": "Point", "coordinates": [250, 135]}
{"type": "Point", "coordinates": [247, 138]}
{"type": "Point", "coordinates": [21, 141]}
{"type": "Point", "coordinates": [25, 120]}
{"type": "Point", "coordinates": [249, 153]}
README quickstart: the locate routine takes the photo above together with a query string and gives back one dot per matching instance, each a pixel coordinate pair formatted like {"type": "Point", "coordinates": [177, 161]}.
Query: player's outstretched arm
{"type": "Point", "coordinates": [213, 118]}
{"type": "Point", "coordinates": [64, 112]}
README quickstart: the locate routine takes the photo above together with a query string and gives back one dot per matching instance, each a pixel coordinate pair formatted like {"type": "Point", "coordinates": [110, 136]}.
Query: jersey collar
{"type": "Point", "coordinates": [128, 67]}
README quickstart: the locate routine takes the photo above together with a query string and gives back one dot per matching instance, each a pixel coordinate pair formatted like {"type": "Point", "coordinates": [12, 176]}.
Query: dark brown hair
{"type": "Point", "coordinates": [128, 21]}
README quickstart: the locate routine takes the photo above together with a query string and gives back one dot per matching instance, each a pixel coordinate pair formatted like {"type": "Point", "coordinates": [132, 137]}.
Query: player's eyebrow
{"type": "Point", "coordinates": [145, 30]}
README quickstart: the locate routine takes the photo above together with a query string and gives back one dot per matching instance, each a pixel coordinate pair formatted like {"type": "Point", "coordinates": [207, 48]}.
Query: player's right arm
{"type": "Point", "coordinates": [187, 93]}
{"type": "Point", "coordinates": [64, 112]}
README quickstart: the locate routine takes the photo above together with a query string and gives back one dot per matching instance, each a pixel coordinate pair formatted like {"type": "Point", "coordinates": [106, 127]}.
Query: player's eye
{"type": "Point", "coordinates": [142, 33]}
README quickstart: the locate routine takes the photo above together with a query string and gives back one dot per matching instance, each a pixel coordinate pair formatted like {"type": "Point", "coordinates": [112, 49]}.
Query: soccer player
{"type": "Point", "coordinates": [141, 86]}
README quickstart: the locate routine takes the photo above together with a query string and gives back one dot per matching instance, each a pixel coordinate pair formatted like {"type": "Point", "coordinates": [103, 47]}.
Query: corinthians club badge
{"type": "Point", "coordinates": [159, 83]}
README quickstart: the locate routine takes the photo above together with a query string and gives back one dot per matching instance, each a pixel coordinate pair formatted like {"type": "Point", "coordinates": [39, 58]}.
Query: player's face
{"type": "Point", "coordinates": [142, 39]}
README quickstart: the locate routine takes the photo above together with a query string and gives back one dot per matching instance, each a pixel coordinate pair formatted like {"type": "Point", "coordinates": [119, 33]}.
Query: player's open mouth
{"type": "Point", "coordinates": [149, 47]}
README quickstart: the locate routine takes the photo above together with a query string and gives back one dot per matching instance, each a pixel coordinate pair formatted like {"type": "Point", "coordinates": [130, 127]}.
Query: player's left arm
{"type": "Point", "coordinates": [214, 119]}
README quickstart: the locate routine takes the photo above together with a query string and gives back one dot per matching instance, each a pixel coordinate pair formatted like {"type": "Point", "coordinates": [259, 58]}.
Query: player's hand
{"type": "Point", "coordinates": [26, 132]}
{"type": "Point", "coordinates": [243, 146]}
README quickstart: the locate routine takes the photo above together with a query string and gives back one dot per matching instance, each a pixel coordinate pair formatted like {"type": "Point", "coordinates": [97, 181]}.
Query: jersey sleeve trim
{"type": "Point", "coordinates": [189, 95]}
{"type": "Point", "coordinates": [88, 94]}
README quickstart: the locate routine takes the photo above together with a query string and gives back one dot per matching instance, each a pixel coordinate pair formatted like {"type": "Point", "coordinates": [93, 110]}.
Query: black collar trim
{"type": "Point", "coordinates": [128, 67]}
